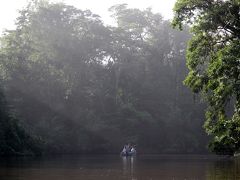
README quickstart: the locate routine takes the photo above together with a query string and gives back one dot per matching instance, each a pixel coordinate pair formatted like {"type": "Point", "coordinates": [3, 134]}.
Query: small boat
{"type": "Point", "coordinates": [237, 154]}
{"type": "Point", "coordinates": [133, 152]}
{"type": "Point", "coordinates": [128, 154]}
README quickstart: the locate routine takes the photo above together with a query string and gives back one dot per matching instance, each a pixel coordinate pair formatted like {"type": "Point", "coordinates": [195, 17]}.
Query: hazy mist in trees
{"type": "Point", "coordinates": [81, 86]}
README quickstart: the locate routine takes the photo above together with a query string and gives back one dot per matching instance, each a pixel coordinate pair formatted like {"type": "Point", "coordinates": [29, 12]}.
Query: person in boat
{"type": "Point", "coordinates": [124, 151]}
{"type": "Point", "coordinates": [133, 151]}
{"type": "Point", "coordinates": [128, 150]}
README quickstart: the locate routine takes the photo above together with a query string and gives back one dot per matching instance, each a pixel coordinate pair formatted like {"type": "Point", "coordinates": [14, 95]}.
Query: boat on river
{"type": "Point", "coordinates": [129, 154]}
{"type": "Point", "coordinates": [128, 151]}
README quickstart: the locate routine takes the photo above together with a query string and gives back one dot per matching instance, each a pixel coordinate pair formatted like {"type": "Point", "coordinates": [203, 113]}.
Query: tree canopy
{"type": "Point", "coordinates": [86, 87]}
{"type": "Point", "coordinates": [213, 58]}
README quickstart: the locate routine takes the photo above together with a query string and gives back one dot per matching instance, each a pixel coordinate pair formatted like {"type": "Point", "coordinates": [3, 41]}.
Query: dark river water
{"type": "Point", "coordinates": [102, 167]}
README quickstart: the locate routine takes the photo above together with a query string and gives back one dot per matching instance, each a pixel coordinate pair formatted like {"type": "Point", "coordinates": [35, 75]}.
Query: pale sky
{"type": "Point", "coordinates": [9, 8]}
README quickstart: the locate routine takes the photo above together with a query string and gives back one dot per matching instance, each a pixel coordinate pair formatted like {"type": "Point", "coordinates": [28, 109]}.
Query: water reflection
{"type": "Point", "coordinates": [163, 167]}
{"type": "Point", "coordinates": [129, 167]}
{"type": "Point", "coordinates": [224, 170]}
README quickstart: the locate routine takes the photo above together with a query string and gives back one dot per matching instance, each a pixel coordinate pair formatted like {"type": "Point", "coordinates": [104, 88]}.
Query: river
{"type": "Point", "coordinates": [114, 167]}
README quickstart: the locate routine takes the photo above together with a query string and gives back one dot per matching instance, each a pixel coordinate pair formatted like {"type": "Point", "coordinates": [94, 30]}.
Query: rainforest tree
{"type": "Point", "coordinates": [213, 59]}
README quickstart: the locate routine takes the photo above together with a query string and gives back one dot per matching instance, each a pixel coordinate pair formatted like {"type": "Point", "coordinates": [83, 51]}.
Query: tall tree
{"type": "Point", "coordinates": [213, 59]}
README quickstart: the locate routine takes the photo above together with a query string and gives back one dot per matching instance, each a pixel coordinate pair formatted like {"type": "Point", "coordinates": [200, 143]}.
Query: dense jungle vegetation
{"type": "Point", "coordinates": [213, 59]}
{"type": "Point", "coordinates": [72, 84]}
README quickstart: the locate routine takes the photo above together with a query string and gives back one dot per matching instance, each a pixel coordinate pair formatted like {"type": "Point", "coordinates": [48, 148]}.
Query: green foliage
{"type": "Point", "coordinates": [227, 136]}
{"type": "Point", "coordinates": [213, 60]}
{"type": "Point", "coordinates": [13, 138]}
{"type": "Point", "coordinates": [86, 87]}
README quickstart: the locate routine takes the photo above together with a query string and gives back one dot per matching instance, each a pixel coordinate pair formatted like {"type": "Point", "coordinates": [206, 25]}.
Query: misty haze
{"type": "Point", "coordinates": [142, 97]}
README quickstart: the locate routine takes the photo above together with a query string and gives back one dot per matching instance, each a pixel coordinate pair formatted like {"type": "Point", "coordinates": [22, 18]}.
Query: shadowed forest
{"type": "Point", "coordinates": [79, 86]}
{"type": "Point", "coordinates": [71, 84]}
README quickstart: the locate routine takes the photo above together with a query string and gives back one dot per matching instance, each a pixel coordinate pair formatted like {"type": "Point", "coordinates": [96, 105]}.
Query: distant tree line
{"type": "Point", "coordinates": [75, 85]}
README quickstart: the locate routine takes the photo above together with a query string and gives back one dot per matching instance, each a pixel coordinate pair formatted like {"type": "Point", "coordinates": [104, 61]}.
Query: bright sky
{"type": "Point", "coordinates": [9, 8]}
